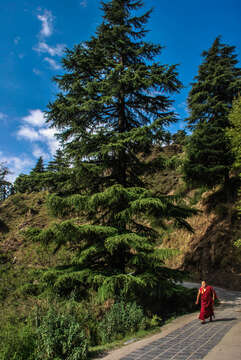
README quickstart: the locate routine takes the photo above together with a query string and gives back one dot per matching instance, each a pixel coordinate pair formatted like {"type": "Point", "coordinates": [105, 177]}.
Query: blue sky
{"type": "Point", "coordinates": [35, 32]}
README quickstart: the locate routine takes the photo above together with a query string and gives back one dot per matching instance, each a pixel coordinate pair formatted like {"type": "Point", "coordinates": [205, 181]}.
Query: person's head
{"type": "Point", "coordinates": [204, 283]}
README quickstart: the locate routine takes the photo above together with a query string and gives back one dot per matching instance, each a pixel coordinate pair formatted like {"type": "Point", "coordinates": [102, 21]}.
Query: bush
{"type": "Point", "coordinates": [122, 319]}
{"type": "Point", "coordinates": [181, 301]}
{"type": "Point", "coordinates": [61, 337]}
{"type": "Point", "coordinates": [237, 243]}
{"type": "Point", "coordinates": [17, 342]}
{"type": "Point", "coordinates": [173, 163]}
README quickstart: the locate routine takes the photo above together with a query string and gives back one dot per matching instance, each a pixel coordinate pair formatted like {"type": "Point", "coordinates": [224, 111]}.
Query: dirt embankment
{"type": "Point", "coordinates": [209, 253]}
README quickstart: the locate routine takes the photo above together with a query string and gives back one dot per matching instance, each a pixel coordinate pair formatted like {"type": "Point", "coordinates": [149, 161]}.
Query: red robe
{"type": "Point", "coordinates": [207, 302]}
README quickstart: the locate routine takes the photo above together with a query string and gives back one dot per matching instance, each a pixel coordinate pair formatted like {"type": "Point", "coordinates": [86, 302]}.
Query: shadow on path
{"type": "Point", "coordinates": [224, 319]}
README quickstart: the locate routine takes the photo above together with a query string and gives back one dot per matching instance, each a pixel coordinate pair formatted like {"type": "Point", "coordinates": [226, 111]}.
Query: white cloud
{"type": "Point", "coordinates": [38, 151]}
{"type": "Point", "coordinates": [46, 19]}
{"type": "Point", "coordinates": [36, 71]}
{"type": "Point", "coordinates": [83, 3]}
{"type": "Point", "coordinates": [38, 132]}
{"type": "Point", "coordinates": [48, 134]}
{"type": "Point", "coordinates": [43, 47]}
{"type": "Point", "coordinates": [28, 133]}
{"type": "Point", "coordinates": [52, 63]}
{"type": "Point", "coordinates": [2, 116]}
{"type": "Point", "coordinates": [36, 118]}
{"type": "Point", "coordinates": [16, 165]}
{"type": "Point", "coordinates": [16, 40]}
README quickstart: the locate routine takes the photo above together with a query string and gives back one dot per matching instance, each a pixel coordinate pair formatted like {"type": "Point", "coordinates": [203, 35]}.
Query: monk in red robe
{"type": "Point", "coordinates": [208, 295]}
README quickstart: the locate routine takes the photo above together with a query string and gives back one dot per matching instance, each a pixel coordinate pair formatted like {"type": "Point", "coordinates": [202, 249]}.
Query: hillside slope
{"type": "Point", "coordinates": [207, 253]}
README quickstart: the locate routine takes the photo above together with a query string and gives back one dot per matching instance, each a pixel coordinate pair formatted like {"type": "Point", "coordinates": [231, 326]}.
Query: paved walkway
{"type": "Point", "coordinates": [187, 339]}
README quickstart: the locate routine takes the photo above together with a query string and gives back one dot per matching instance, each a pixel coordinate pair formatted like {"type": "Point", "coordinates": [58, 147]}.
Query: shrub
{"type": "Point", "coordinates": [17, 342]}
{"type": "Point", "coordinates": [122, 319]}
{"type": "Point", "coordinates": [61, 337]}
{"type": "Point", "coordinates": [181, 301]}
{"type": "Point", "coordinates": [173, 163]}
{"type": "Point", "coordinates": [237, 243]}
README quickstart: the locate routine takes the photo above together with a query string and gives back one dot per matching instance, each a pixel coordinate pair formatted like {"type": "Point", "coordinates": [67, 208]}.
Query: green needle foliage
{"type": "Point", "coordinates": [59, 162]}
{"type": "Point", "coordinates": [112, 106]}
{"type": "Point", "coordinates": [114, 98]}
{"type": "Point", "coordinates": [39, 167]}
{"type": "Point", "coordinates": [115, 254]}
{"type": "Point", "coordinates": [209, 155]}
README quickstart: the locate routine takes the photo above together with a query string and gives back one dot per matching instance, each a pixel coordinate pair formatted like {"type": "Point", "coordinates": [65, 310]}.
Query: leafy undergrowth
{"type": "Point", "coordinates": [31, 317]}
{"type": "Point", "coordinates": [50, 327]}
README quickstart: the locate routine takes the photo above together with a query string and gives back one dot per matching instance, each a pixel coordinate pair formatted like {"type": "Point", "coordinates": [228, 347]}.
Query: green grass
{"type": "Point", "coordinates": [141, 334]}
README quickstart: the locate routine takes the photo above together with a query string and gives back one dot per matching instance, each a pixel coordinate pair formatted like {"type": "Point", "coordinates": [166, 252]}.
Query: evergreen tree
{"type": "Point", "coordinates": [115, 254]}
{"type": "Point", "coordinates": [167, 138]}
{"type": "Point", "coordinates": [59, 162]}
{"type": "Point", "coordinates": [36, 181]}
{"type": "Point", "coordinates": [180, 137]}
{"type": "Point", "coordinates": [113, 106]}
{"type": "Point", "coordinates": [39, 167]}
{"type": "Point", "coordinates": [209, 156]}
{"type": "Point", "coordinates": [5, 186]}
{"type": "Point", "coordinates": [112, 91]}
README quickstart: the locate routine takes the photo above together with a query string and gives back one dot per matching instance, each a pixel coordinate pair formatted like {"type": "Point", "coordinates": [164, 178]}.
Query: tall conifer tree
{"type": "Point", "coordinates": [112, 91]}
{"type": "Point", "coordinates": [114, 103]}
{"type": "Point", "coordinates": [209, 156]}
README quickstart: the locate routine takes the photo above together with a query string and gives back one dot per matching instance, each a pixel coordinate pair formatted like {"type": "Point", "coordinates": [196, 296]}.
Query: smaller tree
{"type": "Point", "coordinates": [39, 167]}
{"type": "Point", "coordinates": [180, 137]}
{"type": "Point", "coordinates": [35, 181]}
{"type": "Point", "coordinates": [208, 157]}
{"type": "Point", "coordinates": [167, 138]}
{"type": "Point", "coordinates": [5, 186]}
{"type": "Point", "coordinates": [59, 162]}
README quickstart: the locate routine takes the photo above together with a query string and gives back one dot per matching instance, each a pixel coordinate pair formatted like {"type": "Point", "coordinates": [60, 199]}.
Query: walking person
{"type": "Point", "coordinates": [208, 295]}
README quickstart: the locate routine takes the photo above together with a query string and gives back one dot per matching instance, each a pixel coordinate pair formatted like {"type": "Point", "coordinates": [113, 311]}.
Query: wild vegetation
{"type": "Point", "coordinates": [94, 245]}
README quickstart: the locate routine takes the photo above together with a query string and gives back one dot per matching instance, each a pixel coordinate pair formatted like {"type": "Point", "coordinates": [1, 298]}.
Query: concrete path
{"type": "Point", "coordinates": [187, 339]}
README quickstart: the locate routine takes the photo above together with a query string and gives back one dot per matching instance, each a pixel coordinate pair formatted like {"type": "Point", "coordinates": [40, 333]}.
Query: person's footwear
{"type": "Point", "coordinates": [203, 322]}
